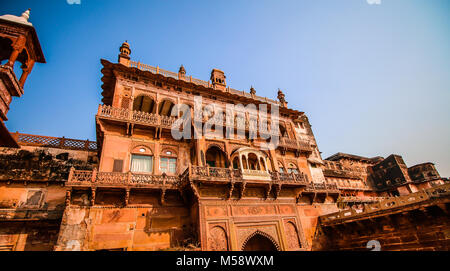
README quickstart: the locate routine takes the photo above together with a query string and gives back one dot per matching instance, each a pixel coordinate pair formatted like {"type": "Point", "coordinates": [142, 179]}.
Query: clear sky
{"type": "Point", "coordinates": [373, 79]}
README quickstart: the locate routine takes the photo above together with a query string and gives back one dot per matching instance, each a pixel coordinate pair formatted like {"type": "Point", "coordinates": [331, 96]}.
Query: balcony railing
{"type": "Point", "coordinates": [207, 84]}
{"type": "Point", "coordinates": [138, 117]}
{"type": "Point", "coordinates": [94, 178]}
{"type": "Point", "coordinates": [330, 187]}
{"type": "Point", "coordinates": [166, 73]}
{"type": "Point", "coordinates": [389, 203]}
{"type": "Point", "coordinates": [295, 144]}
{"type": "Point", "coordinates": [240, 175]}
{"type": "Point", "coordinates": [55, 142]}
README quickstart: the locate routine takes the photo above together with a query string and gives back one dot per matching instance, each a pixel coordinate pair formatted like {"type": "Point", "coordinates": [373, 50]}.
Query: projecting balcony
{"type": "Point", "coordinates": [329, 188]}
{"type": "Point", "coordinates": [294, 144]}
{"type": "Point", "coordinates": [227, 175]}
{"type": "Point", "coordinates": [92, 178]}
{"type": "Point", "coordinates": [135, 117]}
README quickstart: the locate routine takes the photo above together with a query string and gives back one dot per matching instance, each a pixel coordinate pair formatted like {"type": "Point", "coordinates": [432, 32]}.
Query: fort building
{"type": "Point", "coordinates": [140, 186]}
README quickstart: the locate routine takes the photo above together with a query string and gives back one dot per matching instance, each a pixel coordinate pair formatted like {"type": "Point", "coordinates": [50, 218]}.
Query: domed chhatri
{"type": "Point", "coordinates": [23, 19]}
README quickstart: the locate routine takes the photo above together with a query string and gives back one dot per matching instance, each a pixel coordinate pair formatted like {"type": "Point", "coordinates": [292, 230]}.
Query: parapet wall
{"type": "Point", "coordinates": [418, 221]}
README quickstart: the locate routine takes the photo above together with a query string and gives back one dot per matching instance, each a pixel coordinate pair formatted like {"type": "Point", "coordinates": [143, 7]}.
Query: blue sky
{"type": "Point", "coordinates": [373, 79]}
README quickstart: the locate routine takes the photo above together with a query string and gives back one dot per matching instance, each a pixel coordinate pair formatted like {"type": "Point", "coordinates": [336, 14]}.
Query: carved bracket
{"type": "Point", "coordinates": [194, 189]}
{"type": "Point", "coordinates": [93, 192]}
{"type": "Point", "coordinates": [230, 192]}
{"type": "Point", "coordinates": [241, 192]}
{"type": "Point", "coordinates": [127, 196]}
{"type": "Point", "coordinates": [268, 190]}
{"type": "Point", "coordinates": [163, 195]}
{"type": "Point", "coordinates": [277, 190]}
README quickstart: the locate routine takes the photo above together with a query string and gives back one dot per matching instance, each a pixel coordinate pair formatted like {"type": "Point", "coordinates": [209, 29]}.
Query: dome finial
{"type": "Point", "coordinates": [26, 14]}
{"type": "Point", "coordinates": [182, 70]}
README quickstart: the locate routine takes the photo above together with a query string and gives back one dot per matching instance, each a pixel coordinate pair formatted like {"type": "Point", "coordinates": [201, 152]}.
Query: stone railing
{"type": "Point", "coordinates": [317, 187]}
{"type": "Point", "coordinates": [239, 175]}
{"type": "Point", "coordinates": [353, 187]}
{"type": "Point", "coordinates": [94, 178]}
{"type": "Point", "coordinates": [114, 113]}
{"type": "Point", "coordinates": [361, 199]}
{"type": "Point", "coordinates": [55, 142]}
{"type": "Point", "coordinates": [207, 84]}
{"type": "Point", "coordinates": [389, 203]}
{"type": "Point", "coordinates": [290, 177]}
{"type": "Point", "coordinates": [214, 172]}
{"type": "Point", "coordinates": [166, 73]}
{"type": "Point", "coordinates": [295, 144]}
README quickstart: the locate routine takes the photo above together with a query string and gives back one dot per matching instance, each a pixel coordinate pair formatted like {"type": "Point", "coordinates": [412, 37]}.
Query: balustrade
{"type": "Point", "coordinates": [390, 203]}
{"type": "Point", "coordinates": [106, 111]}
{"type": "Point", "coordinates": [83, 177]}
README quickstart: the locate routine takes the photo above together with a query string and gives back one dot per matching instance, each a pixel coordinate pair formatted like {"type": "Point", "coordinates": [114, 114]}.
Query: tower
{"type": "Point", "coordinates": [218, 79]}
{"type": "Point", "coordinates": [18, 43]}
{"type": "Point", "coordinates": [125, 51]}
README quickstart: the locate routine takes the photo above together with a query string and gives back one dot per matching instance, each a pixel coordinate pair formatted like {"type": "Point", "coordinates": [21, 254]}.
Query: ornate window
{"type": "Point", "coordinates": [141, 163]}
{"type": "Point", "coordinates": [168, 165]}
{"type": "Point", "coordinates": [292, 168]}
{"type": "Point", "coordinates": [168, 161]}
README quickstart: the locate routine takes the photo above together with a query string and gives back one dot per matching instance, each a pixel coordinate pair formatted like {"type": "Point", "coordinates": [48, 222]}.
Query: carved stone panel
{"type": "Point", "coordinates": [254, 210]}
{"type": "Point", "coordinates": [217, 240]}
{"type": "Point", "coordinates": [292, 236]}
{"type": "Point", "coordinates": [216, 211]}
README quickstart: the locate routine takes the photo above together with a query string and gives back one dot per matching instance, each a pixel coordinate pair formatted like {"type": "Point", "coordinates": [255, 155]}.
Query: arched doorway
{"type": "Point", "coordinates": [165, 108]}
{"type": "Point", "coordinates": [215, 157]}
{"type": "Point", "coordinates": [144, 103]}
{"type": "Point", "coordinates": [259, 242]}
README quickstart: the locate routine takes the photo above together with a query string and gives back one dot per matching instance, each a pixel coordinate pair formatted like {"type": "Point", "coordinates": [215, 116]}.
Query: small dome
{"type": "Point", "coordinates": [182, 70]}
{"type": "Point", "coordinates": [126, 44]}
{"type": "Point", "coordinates": [23, 19]}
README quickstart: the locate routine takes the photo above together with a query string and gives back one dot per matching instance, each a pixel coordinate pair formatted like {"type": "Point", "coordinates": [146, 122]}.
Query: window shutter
{"type": "Point", "coordinates": [118, 165]}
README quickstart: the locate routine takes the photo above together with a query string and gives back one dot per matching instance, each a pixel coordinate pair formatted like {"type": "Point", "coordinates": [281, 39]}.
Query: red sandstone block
{"type": "Point", "coordinates": [112, 237]}
{"type": "Point", "coordinates": [408, 238]}
{"type": "Point", "coordinates": [118, 215]}
{"type": "Point", "coordinates": [311, 212]}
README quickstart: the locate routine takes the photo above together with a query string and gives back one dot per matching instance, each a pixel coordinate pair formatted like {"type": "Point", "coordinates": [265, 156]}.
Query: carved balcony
{"type": "Point", "coordinates": [329, 188]}
{"type": "Point", "coordinates": [227, 175]}
{"type": "Point", "coordinates": [83, 178]}
{"type": "Point", "coordinates": [294, 144]}
{"type": "Point", "coordinates": [134, 117]}
{"type": "Point", "coordinates": [387, 205]}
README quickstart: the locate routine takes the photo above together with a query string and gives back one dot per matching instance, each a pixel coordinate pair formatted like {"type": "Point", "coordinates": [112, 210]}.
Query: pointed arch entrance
{"type": "Point", "coordinates": [260, 241]}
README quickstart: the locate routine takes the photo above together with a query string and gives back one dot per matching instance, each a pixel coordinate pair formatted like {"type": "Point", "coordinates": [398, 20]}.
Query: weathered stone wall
{"type": "Point", "coordinates": [32, 194]}
{"type": "Point", "coordinates": [144, 226]}
{"type": "Point", "coordinates": [29, 235]}
{"type": "Point", "coordinates": [42, 164]}
{"type": "Point", "coordinates": [309, 215]}
{"type": "Point", "coordinates": [423, 224]}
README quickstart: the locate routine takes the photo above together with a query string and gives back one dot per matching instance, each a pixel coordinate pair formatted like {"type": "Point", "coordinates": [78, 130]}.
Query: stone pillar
{"type": "Point", "coordinates": [26, 72]}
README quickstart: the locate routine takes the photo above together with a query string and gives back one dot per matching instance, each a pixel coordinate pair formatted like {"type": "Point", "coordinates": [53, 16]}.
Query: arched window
{"type": "Point", "coordinates": [141, 160]}
{"type": "Point", "coordinates": [283, 131]}
{"type": "Point", "coordinates": [144, 104]}
{"type": "Point", "coordinates": [244, 162]}
{"type": "Point", "coordinates": [253, 162]}
{"type": "Point", "coordinates": [292, 168]}
{"type": "Point", "coordinates": [263, 164]}
{"type": "Point", "coordinates": [281, 167]}
{"type": "Point", "coordinates": [165, 108]}
{"type": "Point", "coordinates": [141, 163]}
{"type": "Point", "coordinates": [215, 157]}
{"type": "Point", "coordinates": [236, 163]}
{"type": "Point", "coordinates": [168, 162]}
